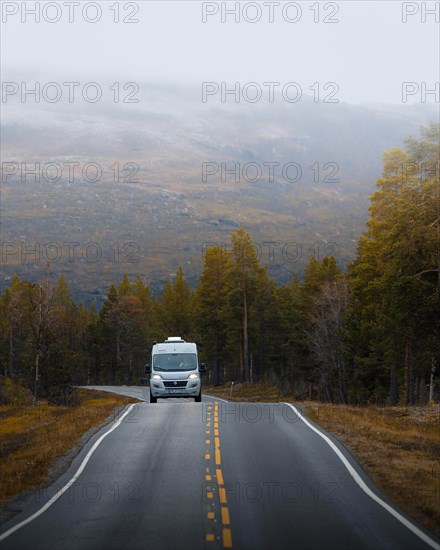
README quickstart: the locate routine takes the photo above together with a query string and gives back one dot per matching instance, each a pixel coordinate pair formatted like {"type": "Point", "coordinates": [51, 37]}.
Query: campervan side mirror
{"type": "Point", "coordinates": [148, 368]}
{"type": "Point", "coordinates": [202, 367]}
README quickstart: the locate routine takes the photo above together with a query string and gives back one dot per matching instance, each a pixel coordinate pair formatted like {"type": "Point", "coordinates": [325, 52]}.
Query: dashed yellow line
{"type": "Point", "coordinates": [219, 475]}
{"type": "Point", "coordinates": [222, 495]}
{"type": "Point", "coordinates": [210, 491]}
{"type": "Point", "coordinates": [227, 538]}
{"type": "Point", "coordinates": [225, 515]}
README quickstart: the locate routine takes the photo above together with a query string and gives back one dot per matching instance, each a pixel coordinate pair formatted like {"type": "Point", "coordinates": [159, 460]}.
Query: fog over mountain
{"type": "Point", "coordinates": [168, 202]}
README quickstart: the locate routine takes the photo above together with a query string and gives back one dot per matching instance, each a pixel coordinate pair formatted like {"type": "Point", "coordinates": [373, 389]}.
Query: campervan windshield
{"type": "Point", "coordinates": [174, 362]}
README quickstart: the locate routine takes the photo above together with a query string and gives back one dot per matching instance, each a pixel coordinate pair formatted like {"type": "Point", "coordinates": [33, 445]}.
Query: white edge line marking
{"type": "Point", "coordinates": [69, 483]}
{"type": "Point", "coordinates": [365, 487]}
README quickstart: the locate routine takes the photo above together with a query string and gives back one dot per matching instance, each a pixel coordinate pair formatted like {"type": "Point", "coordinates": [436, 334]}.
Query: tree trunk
{"type": "Point", "coordinates": [11, 354]}
{"type": "Point", "coordinates": [408, 374]}
{"type": "Point", "coordinates": [216, 361]}
{"type": "Point", "coordinates": [260, 371]}
{"type": "Point", "coordinates": [245, 340]}
{"type": "Point", "coordinates": [432, 380]}
{"type": "Point", "coordinates": [327, 391]}
{"type": "Point", "coordinates": [411, 376]}
{"type": "Point", "coordinates": [416, 389]}
{"type": "Point", "coordinates": [394, 390]}
{"type": "Point", "coordinates": [37, 376]}
{"type": "Point", "coordinates": [341, 383]}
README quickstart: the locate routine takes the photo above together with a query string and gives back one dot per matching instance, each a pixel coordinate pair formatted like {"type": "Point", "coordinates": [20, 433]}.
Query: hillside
{"type": "Point", "coordinates": [170, 214]}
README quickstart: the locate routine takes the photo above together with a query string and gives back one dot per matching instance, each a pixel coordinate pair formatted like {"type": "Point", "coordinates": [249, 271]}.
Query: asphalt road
{"type": "Point", "coordinates": [183, 475]}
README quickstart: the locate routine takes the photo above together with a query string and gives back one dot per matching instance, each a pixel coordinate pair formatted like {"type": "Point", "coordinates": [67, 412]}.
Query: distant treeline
{"type": "Point", "coordinates": [370, 334]}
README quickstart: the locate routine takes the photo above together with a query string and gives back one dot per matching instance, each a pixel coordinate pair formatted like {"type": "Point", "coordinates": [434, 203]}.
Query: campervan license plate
{"type": "Point", "coordinates": [174, 391]}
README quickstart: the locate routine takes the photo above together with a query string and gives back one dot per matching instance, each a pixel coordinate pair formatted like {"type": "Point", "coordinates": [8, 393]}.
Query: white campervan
{"type": "Point", "coordinates": [175, 370]}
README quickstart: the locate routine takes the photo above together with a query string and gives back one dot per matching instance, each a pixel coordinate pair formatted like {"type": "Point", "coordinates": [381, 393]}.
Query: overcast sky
{"type": "Point", "coordinates": [368, 53]}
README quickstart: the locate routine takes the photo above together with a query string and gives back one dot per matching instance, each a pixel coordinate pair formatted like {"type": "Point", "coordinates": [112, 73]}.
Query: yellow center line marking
{"type": "Point", "coordinates": [225, 515]}
{"type": "Point", "coordinates": [222, 495]}
{"type": "Point", "coordinates": [219, 475]}
{"type": "Point", "coordinates": [227, 539]}
{"type": "Point", "coordinates": [226, 531]}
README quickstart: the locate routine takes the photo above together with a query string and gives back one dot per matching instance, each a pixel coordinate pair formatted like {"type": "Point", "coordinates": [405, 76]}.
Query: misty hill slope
{"type": "Point", "coordinates": [167, 208]}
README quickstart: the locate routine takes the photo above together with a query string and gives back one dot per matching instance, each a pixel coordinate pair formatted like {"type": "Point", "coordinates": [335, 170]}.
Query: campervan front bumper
{"type": "Point", "coordinates": [175, 388]}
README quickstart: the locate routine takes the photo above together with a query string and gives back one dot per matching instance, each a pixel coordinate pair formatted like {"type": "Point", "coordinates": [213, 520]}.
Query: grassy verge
{"type": "Point", "coordinates": [34, 439]}
{"type": "Point", "coordinates": [399, 447]}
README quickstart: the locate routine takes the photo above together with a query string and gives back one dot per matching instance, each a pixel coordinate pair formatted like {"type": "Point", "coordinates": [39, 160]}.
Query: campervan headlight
{"type": "Point", "coordinates": [157, 377]}
{"type": "Point", "coordinates": [193, 376]}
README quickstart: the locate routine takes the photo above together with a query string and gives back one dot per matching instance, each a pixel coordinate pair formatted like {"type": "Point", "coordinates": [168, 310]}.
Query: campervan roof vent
{"type": "Point", "coordinates": [174, 339]}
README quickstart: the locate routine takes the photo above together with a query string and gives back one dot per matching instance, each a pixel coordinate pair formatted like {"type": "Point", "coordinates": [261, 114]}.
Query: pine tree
{"type": "Point", "coordinates": [394, 309]}
{"type": "Point", "coordinates": [174, 308]}
{"type": "Point", "coordinates": [211, 308]}
{"type": "Point", "coordinates": [243, 276]}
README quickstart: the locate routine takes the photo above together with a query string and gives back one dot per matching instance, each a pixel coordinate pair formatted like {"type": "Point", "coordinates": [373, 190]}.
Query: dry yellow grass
{"type": "Point", "coordinates": [33, 437]}
{"type": "Point", "coordinates": [399, 447]}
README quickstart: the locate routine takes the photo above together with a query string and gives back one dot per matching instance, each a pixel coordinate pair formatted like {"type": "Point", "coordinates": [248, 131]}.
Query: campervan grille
{"type": "Point", "coordinates": [175, 384]}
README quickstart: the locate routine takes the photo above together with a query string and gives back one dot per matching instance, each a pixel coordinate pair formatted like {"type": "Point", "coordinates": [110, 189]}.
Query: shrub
{"type": "Point", "coordinates": [13, 393]}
